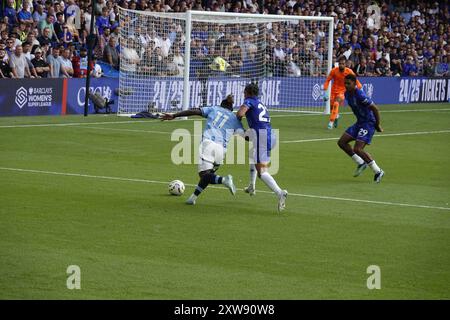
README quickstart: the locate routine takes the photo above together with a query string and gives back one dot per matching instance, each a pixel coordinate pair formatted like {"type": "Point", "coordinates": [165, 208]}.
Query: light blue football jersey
{"type": "Point", "coordinates": [221, 124]}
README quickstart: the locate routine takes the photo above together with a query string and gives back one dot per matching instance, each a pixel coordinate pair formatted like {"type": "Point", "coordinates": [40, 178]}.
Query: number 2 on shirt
{"type": "Point", "coordinates": [263, 116]}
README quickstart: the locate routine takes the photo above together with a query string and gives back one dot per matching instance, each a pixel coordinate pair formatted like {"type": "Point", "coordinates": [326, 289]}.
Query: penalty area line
{"type": "Point", "coordinates": [387, 203]}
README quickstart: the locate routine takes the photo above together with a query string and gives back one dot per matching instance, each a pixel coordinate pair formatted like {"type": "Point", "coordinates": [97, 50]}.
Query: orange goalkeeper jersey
{"type": "Point", "coordinates": [338, 78]}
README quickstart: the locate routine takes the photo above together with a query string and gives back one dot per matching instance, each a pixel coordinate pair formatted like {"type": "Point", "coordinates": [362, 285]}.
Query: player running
{"type": "Point", "coordinates": [221, 124]}
{"type": "Point", "coordinates": [367, 121]}
{"type": "Point", "coordinates": [337, 74]}
{"type": "Point", "coordinates": [263, 139]}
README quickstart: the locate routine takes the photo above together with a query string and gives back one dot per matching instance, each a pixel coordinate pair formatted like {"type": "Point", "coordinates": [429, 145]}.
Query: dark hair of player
{"type": "Point", "coordinates": [252, 89]}
{"type": "Point", "coordinates": [350, 77]}
{"type": "Point", "coordinates": [226, 104]}
{"type": "Point", "coordinates": [342, 58]}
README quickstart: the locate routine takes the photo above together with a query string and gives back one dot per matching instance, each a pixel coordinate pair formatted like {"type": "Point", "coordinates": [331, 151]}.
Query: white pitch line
{"type": "Point", "coordinates": [301, 114]}
{"type": "Point", "coordinates": [149, 120]}
{"type": "Point", "coordinates": [292, 141]}
{"type": "Point", "coordinates": [129, 130]}
{"type": "Point", "coordinates": [68, 124]}
{"type": "Point", "coordinates": [193, 185]}
{"type": "Point", "coordinates": [143, 131]}
{"type": "Point", "coordinates": [376, 136]}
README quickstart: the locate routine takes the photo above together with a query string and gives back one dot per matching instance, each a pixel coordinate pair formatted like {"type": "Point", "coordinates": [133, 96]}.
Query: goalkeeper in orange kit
{"type": "Point", "coordinates": [338, 75]}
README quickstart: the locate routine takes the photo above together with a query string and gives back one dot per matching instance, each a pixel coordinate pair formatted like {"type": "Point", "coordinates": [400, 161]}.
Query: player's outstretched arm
{"type": "Point", "coordinates": [241, 112]}
{"type": "Point", "coordinates": [185, 113]}
{"type": "Point", "coordinates": [358, 84]}
{"type": "Point", "coordinates": [328, 80]}
{"type": "Point", "coordinates": [376, 113]}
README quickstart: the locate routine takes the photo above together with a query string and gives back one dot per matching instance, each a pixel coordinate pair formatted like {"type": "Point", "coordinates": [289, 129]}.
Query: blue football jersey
{"type": "Point", "coordinates": [360, 102]}
{"type": "Point", "coordinates": [257, 114]}
{"type": "Point", "coordinates": [221, 124]}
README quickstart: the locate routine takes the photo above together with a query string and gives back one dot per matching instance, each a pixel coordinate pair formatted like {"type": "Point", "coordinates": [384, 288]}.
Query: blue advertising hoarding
{"type": "Point", "coordinates": [76, 93]}
{"type": "Point", "coordinates": [278, 93]}
{"type": "Point", "coordinates": [66, 96]}
{"type": "Point", "coordinates": [30, 97]}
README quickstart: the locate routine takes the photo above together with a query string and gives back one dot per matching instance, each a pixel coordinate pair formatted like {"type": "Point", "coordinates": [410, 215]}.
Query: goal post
{"type": "Point", "coordinates": [176, 61]}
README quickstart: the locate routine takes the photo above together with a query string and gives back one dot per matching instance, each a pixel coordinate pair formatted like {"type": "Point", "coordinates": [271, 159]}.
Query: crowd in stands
{"type": "Point", "coordinates": [43, 38]}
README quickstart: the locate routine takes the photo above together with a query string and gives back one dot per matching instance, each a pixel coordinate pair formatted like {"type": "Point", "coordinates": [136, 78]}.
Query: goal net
{"type": "Point", "coordinates": [175, 61]}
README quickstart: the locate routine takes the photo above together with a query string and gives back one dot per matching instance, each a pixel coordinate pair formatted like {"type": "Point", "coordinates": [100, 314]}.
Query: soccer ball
{"type": "Point", "coordinates": [176, 188]}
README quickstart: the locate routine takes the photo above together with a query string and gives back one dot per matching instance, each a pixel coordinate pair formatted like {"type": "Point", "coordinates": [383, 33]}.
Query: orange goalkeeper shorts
{"type": "Point", "coordinates": [339, 95]}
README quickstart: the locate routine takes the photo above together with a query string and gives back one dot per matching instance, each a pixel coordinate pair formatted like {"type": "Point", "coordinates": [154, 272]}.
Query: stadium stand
{"type": "Point", "coordinates": [379, 38]}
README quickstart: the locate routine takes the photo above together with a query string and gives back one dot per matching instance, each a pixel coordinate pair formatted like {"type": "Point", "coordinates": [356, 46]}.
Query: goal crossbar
{"type": "Point", "coordinates": [261, 62]}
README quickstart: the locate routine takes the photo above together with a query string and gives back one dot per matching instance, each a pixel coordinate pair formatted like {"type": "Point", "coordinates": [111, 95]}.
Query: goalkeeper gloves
{"type": "Point", "coordinates": [325, 96]}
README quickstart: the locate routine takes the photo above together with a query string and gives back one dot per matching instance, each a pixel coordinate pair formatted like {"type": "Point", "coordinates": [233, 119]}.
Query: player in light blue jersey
{"type": "Point", "coordinates": [367, 122]}
{"type": "Point", "coordinates": [221, 124]}
{"type": "Point", "coordinates": [263, 139]}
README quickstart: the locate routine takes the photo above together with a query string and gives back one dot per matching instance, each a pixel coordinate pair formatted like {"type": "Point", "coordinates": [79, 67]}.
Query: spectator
{"type": "Point", "coordinates": [66, 64]}
{"type": "Point", "coordinates": [41, 66]}
{"type": "Point", "coordinates": [5, 69]}
{"type": "Point", "coordinates": [26, 49]}
{"type": "Point", "coordinates": [382, 69]}
{"type": "Point", "coordinates": [47, 23]}
{"type": "Point", "coordinates": [10, 12]}
{"type": "Point", "coordinates": [102, 42]}
{"type": "Point", "coordinates": [80, 64]}
{"type": "Point", "coordinates": [97, 71]}
{"type": "Point", "coordinates": [14, 37]}
{"type": "Point", "coordinates": [356, 56]}
{"type": "Point", "coordinates": [361, 68]}
{"type": "Point", "coordinates": [165, 45]}
{"type": "Point", "coordinates": [292, 69]}
{"type": "Point", "coordinates": [235, 60]}
{"type": "Point", "coordinates": [102, 21]}
{"type": "Point", "coordinates": [370, 70]}
{"type": "Point", "coordinates": [428, 68]}
{"type": "Point", "coordinates": [396, 63]}
{"type": "Point", "coordinates": [409, 68]}
{"type": "Point", "coordinates": [129, 56]}
{"type": "Point", "coordinates": [99, 5]}
{"type": "Point", "coordinates": [279, 56]}
{"type": "Point", "coordinates": [24, 15]}
{"type": "Point", "coordinates": [170, 68]}
{"type": "Point", "coordinates": [39, 14]}
{"type": "Point", "coordinates": [46, 38]}
{"type": "Point", "coordinates": [10, 46]}
{"type": "Point", "coordinates": [178, 59]}
{"type": "Point", "coordinates": [66, 37]}
{"type": "Point", "coordinates": [316, 68]}
{"type": "Point", "coordinates": [150, 64]}
{"type": "Point", "coordinates": [4, 32]}
{"type": "Point", "coordinates": [59, 24]}
{"type": "Point", "coordinates": [111, 54]}
{"type": "Point", "coordinates": [441, 69]}
{"type": "Point", "coordinates": [54, 63]}
{"type": "Point", "coordinates": [71, 9]}
{"type": "Point", "coordinates": [19, 64]}
{"type": "Point", "coordinates": [22, 33]}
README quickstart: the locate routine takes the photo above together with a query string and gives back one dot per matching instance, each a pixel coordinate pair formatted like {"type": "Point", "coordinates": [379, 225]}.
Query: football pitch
{"type": "Point", "coordinates": [93, 193]}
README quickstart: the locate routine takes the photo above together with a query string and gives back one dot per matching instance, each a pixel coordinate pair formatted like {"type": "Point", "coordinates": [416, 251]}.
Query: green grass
{"type": "Point", "coordinates": [134, 241]}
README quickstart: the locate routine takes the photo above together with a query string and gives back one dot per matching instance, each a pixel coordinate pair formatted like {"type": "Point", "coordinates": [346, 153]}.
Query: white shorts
{"type": "Point", "coordinates": [211, 154]}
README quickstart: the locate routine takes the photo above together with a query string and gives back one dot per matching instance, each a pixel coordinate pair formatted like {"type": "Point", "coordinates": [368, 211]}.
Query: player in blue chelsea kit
{"type": "Point", "coordinates": [367, 122]}
{"type": "Point", "coordinates": [221, 124]}
{"type": "Point", "coordinates": [260, 132]}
